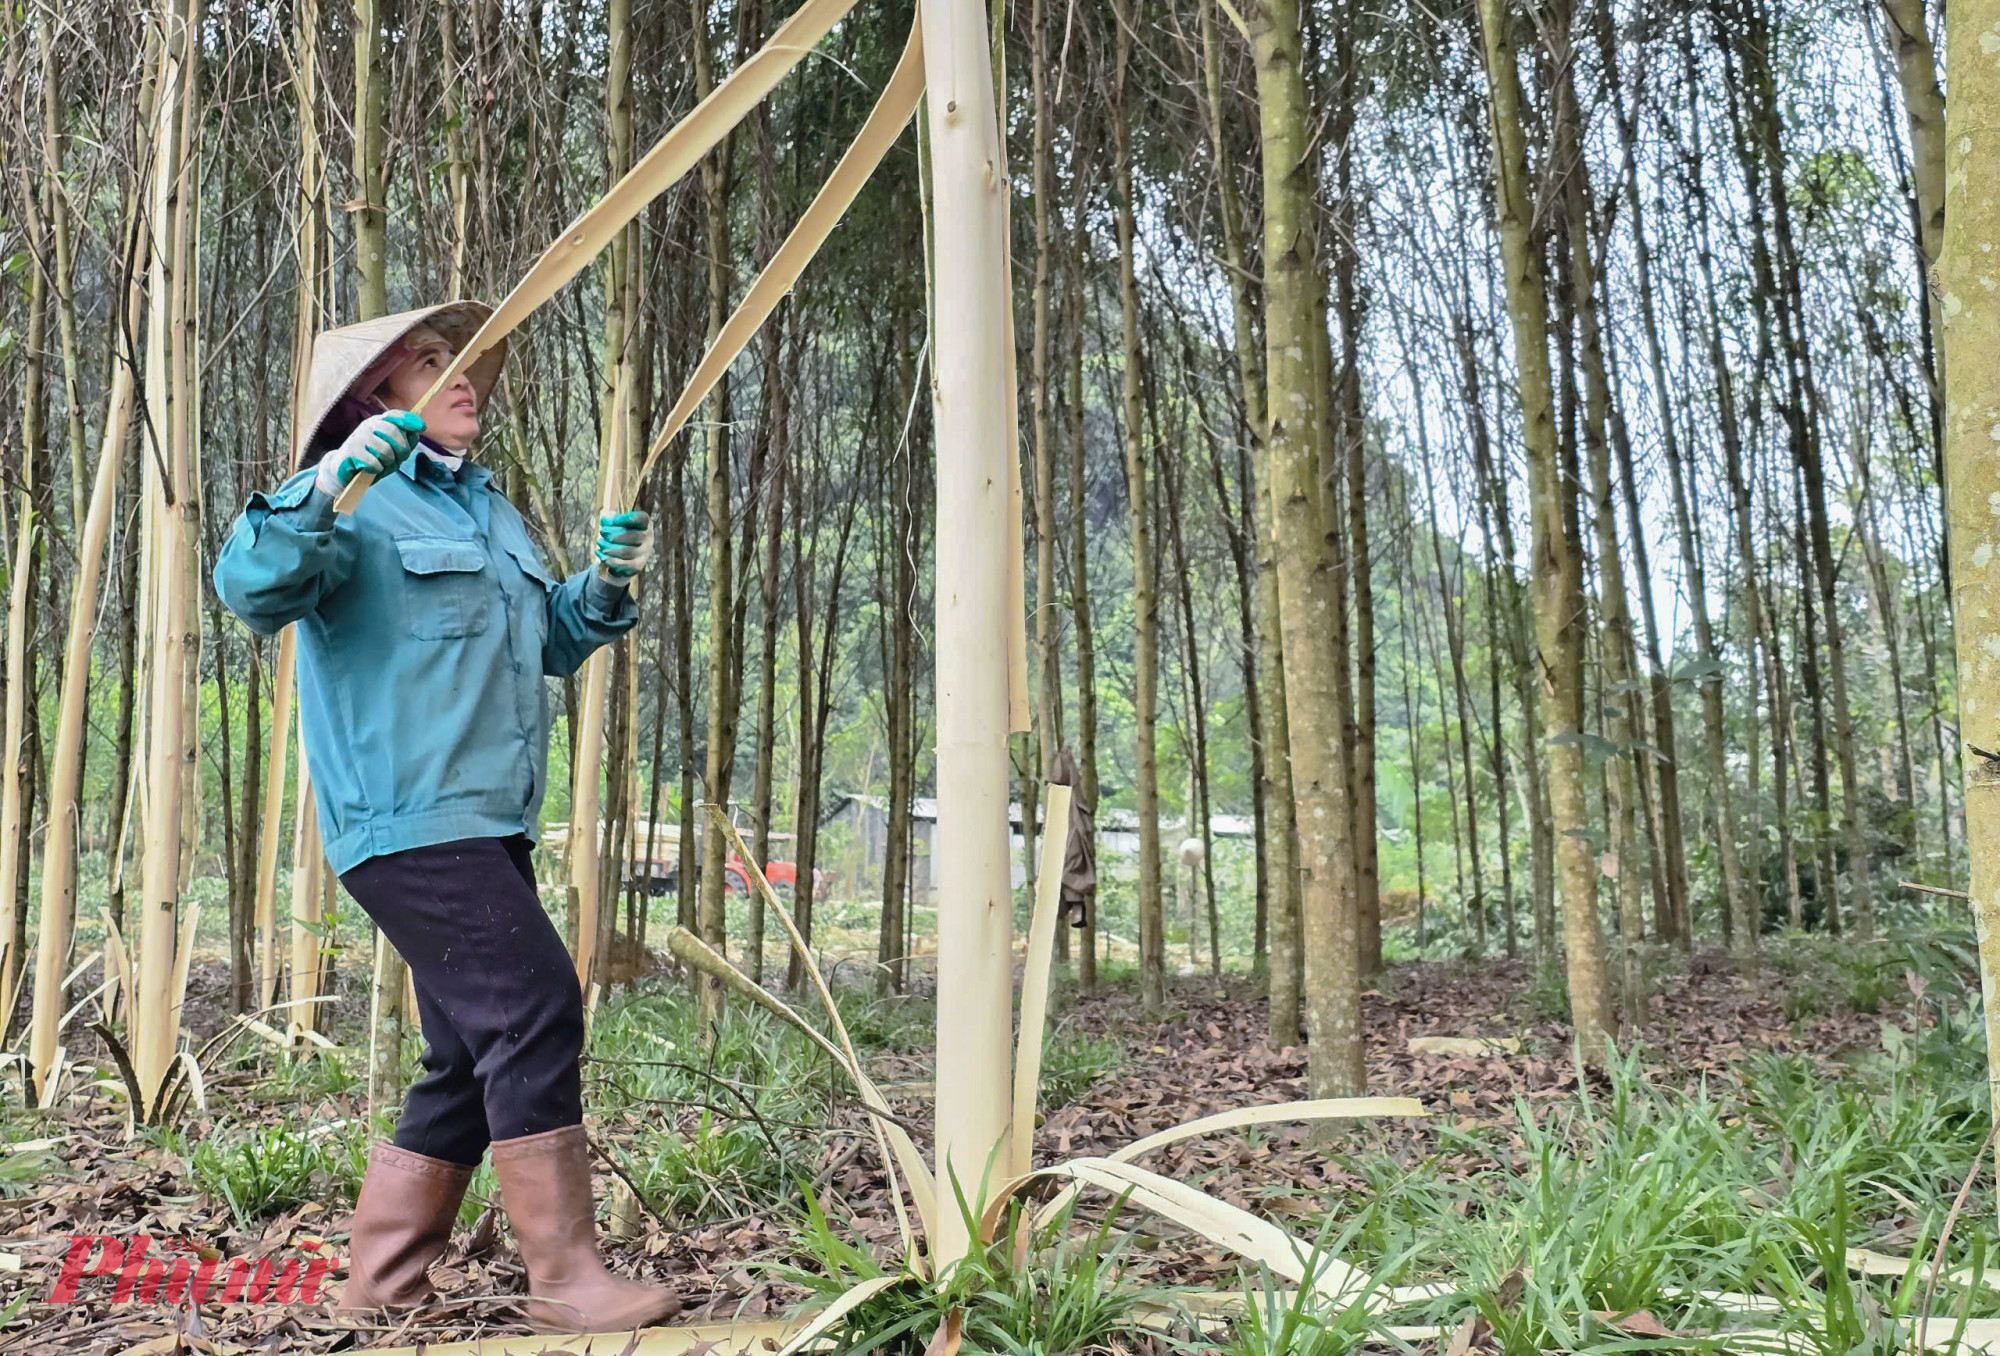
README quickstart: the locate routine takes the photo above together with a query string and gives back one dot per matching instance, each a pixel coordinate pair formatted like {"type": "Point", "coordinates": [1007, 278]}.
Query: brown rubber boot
{"type": "Point", "coordinates": [545, 1184]}
{"type": "Point", "coordinates": [402, 1224]}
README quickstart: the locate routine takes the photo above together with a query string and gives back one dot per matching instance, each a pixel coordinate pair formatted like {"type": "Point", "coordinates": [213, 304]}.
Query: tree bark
{"type": "Point", "coordinates": [1557, 582]}
{"type": "Point", "coordinates": [1277, 836]}
{"type": "Point", "coordinates": [712, 914]}
{"type": "Point", "coordinates": [1145, 594]}
{"type": "Point", "coordinates": [1308, 592]}
{"type": "Point", "coordinates": [1079, 555]}
{"type": "Point", "coordinates": [1621, 687]}
{"type": "Point", "coordinates": [1972, 411]}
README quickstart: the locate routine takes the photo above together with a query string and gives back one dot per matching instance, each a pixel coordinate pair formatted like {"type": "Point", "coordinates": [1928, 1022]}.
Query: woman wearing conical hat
{"type": "Point", "coordinates": [426, 626]}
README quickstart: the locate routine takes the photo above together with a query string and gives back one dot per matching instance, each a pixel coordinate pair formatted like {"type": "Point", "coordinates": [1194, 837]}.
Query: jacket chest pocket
{"type": "Point", "coordinates": [446, 589]}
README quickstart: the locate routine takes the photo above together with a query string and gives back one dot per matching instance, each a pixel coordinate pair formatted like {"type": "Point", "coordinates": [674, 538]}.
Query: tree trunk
{"type": "Point", "coordinates": [1924, 111]}
{"type": "Point", "coordinates": [371, 214]}
{"type": "Point", "coordinates": [1079, 563]}
{"type": "Point", "coordinates": [1972, 411]}
{"type": "Point", "coordinates": [1277, 836]}
{"type": "Point", "coordinates": [1620, 684]}
{"type": "Point", "coordinates": [1350, 471]}
{"type": "Point", "coordinates": [712, 914]}
{"type": "Point", "coordinates": [767, 666]}
{"type": "Point", "coordinates": [391, 974]}
{"type": "Point", "coordinates": [1308, 592]}
{"type": "Point", "coordinates": [1145, 595]}
{"type": "Point", "coordinates": [1558, 588]}
{"type": "Point", "coordinates": [172, 428]}
{"type": "Point", "coordinates": [899, 700]}
{"type": "Point", "coordinates": [972, 401]}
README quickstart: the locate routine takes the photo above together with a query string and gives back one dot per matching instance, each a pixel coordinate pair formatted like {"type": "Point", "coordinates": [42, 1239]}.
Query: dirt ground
{"type": "Point", "coordinates": [1206, 1055]}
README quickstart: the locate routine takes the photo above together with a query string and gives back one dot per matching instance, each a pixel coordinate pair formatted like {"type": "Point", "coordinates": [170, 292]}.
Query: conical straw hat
{"type": "Point", "coordinates": [341, 357]}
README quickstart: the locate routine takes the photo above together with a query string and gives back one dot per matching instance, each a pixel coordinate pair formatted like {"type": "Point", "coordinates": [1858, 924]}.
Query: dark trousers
{"type": "Point", "coordinates": [496, 992]}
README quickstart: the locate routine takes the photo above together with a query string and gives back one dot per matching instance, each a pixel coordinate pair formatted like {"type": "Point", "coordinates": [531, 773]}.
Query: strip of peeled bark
{"type": "Point", "coordinates": [1557, 587]}
{"type": "Point", "coordinates": [1307, 581]}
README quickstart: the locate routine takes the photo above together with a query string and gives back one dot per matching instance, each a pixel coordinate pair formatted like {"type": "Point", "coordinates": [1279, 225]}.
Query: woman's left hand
{"type": "Point", "coordinates": [624, 544]}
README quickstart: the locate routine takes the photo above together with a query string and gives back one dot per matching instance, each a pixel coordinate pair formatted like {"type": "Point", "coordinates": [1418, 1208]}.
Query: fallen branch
{"type": "Point", "coordinates": [1932, 890]}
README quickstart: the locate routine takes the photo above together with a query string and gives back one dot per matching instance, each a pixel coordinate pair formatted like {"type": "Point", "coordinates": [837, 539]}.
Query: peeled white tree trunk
{"type": "Point", "coordinates": [173, 639]}
{"type": "Point", "coordinates": [973, 405]}
{"type": "Point", "coordinates": [52, 941]}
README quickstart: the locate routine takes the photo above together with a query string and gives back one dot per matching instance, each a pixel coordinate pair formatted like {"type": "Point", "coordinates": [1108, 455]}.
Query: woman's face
{"type": "Point", "coordinates": [451, 419]}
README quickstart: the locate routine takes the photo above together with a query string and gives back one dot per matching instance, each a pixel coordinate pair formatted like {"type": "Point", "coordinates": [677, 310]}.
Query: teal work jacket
{"type": "Point", "coordinates": [427, 624]}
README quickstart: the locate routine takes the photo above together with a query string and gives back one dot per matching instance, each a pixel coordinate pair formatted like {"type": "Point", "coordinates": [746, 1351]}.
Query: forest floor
{"type": "Point", "coordinates": [1824, 1083]}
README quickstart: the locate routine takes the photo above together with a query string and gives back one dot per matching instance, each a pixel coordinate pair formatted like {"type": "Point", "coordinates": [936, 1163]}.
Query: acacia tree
{"type": "Point", "coordinates": [1145, 595]}
{"type": "Point", "coordinates": [1557, 572]}
{"type": "Point", "coordinates": [1972, 412]}
{"type": "Point", "coordinates": [1308, 591]}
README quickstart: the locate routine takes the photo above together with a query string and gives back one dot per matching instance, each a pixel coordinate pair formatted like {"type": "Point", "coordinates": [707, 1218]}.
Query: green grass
{"type": "Point", "coordinates": [264, 1171]}
{"type": "Point", "coordinates": [1072, 1292]}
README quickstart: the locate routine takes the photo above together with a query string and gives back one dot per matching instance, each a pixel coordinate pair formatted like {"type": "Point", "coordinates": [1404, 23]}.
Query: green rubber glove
{"type": "Point", "coordinates": [378, 447]}
{"type": "Point", "coordinates": [624, 544]}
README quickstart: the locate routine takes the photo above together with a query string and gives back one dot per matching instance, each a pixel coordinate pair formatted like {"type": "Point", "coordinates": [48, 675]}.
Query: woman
{"type": "Point", "coordinates": [426, 625]}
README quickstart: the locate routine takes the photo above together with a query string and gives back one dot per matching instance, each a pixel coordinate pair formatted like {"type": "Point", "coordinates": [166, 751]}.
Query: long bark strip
{"type": "Point", "coordinates": [1048, 705]}
{"type": "Point", "coordinates": [1557, 588]}
{"type": "Point", "coordinates": [1972, 414]}
{"type": "Point", "coordinates": [1307, 582]}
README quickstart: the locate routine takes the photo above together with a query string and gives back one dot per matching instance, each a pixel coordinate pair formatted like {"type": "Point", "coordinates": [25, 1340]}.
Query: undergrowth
{"type": "Point", "coordinates": [1632, 1216]}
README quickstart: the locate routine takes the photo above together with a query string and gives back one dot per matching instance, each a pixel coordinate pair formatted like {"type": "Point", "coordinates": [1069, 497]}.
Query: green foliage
{"type": "Point", "coordinates": [23, 1169]}
{"type": "Point", "coordinates": [1073, 1062]}
{"type": "Point", "coordinates": [264, 1171]}
{"type": "Point", "coordinates": [1071, 1295]}
{"type": "Point", "coordinates": [1548, 995]}
{"type": "Point", "coordinates": [1304, 1320]}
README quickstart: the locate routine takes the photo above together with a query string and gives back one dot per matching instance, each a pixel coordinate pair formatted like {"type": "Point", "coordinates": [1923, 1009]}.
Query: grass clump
{"type": "Point", "coordinates": [1073, 1062]}
{"type": "Point", "coordinates": [258, 1172]}
{"type": "Point", "coordinates": [1072, 1294]}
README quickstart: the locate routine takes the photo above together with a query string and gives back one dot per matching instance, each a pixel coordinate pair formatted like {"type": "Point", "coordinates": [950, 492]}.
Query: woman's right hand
{"type": "Point", "coordinates": [378, 447]}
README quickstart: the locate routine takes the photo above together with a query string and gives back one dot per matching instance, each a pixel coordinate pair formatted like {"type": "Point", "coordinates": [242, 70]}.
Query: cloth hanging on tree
{"type": "Point", "coordinates": [1079, 876]}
